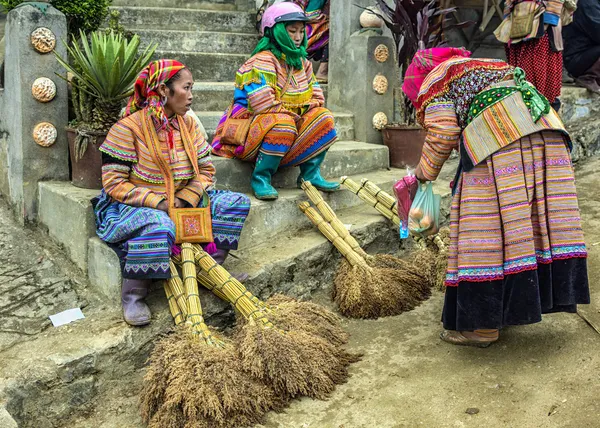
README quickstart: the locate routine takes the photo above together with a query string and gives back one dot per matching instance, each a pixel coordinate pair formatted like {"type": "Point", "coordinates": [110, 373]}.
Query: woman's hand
{"type": "Point", "coordinates": [163, 206]}
{"type": "Point", "coordinates": [419, 175]}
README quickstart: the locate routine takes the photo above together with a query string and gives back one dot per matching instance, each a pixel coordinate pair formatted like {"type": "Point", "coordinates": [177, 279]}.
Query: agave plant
{"type": "Point", "coordinates": [103, 68]}
{"type": "Point", "coordinates": [415, 24]}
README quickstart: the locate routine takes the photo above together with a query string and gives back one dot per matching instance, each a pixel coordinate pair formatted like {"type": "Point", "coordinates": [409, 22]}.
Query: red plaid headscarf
{"type": "Point", "coordinates": [423, 63]}
{"type": "Point", "coordinates": [145, 89]}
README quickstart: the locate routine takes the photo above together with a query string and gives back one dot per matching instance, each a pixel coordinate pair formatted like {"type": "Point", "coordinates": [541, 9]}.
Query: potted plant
{"type": "Point", "coordinates": [103, 70]}
{"type": "Point", "coordinates": [415, 24]}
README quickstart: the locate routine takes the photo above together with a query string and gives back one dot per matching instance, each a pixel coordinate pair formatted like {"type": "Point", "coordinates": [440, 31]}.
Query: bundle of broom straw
{"type": "Point", "coordinates": [195, 379]}
{"type": "Point", "coordinates": [295, 362]}
{"type": "Point", "coordinates": [434, 257]}
{"type": "Point", "coordinates": [282, 350]}
{"type": "Point", "coordinates": [365, 286]}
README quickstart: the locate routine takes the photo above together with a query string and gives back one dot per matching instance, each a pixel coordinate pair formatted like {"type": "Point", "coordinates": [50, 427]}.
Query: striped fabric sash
{"type": "Point", "coordinates": [535, 102]}
{"type": "Point", "coordinates": [505, 121]}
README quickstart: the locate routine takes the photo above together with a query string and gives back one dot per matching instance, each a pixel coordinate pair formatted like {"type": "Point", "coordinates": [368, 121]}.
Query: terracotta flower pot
{"type": "Point", "coordinates": [86, 172]}
{"type": "Point", "coordinates": [405, 143]}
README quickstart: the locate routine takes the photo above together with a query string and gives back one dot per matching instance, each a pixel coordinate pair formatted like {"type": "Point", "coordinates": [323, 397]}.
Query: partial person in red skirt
{"type": "Point", "coordinates": [532, 33]}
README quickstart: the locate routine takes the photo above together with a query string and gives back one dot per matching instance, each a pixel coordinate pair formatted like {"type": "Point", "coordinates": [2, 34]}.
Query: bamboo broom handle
{"type": "Point", "coordinates": [173, 306]}
{"type": "Point", "coordinates": [330, 217]}
{"type": "Point", "coordinates": [325, 228]}
{"type": "Point", "coordinates": [195, 315]}
{"type": "Point", "coordinates": [231, 288]}
{"type": "Point", "coordinates": [383, 197]}
{"type": "Point", "coordinates": [439, 242]}
{"type": "Point", "coordinates": [370, 199]}
{"type": "Point", "coordinates": [202, 278]}
{"type": "Point", "coordinates": [176, 285]}
{"type": "Point", "coordinates": [209, 284]}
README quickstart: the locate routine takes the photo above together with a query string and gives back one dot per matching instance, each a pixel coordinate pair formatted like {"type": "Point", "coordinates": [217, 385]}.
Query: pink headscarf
{"type": "Point", "coordinates": [423, 62]}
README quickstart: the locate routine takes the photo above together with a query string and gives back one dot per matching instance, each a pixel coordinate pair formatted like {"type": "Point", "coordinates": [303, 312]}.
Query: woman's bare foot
{"type": "Point", "coordinates": [322, 72]}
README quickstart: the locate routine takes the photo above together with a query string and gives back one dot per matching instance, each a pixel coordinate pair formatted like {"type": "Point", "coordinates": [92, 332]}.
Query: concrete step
{"type": "Point", "coordinates": [144, 17]}
{"type": "Point", "coordinates": [180, 4]}
{"type": "Point", "coordinates": [59, 200]}
{"type": "Point", "coordinates": [199, 41]}
{"type": "Point", "coordinates": [213, 67]}
{"type": "Point", "coordinates": [344, 158]}
{"type": "Point", "coordinates": [217, 96]}
{"type": "Point", "coordinates": [344, 123]}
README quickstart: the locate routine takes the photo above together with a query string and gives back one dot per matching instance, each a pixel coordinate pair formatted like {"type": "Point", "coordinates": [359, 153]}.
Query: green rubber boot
{"type": "Point", "coordinates": [265, 167]}
{"type": "Point", "coordinates": [311, 171]}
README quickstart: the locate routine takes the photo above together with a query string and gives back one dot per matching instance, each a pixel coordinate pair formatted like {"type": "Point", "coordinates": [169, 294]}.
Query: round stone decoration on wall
{"type": "Point", "coordinates": [380, 84]}
{"type": "Point", "coordinates": [44, 134]}
{"type": "Point", "coordinates": [382, 53]}
{"type": "Point", "coordinates": [43, 89]}
{"type": "Point", "coordinates": [369, 20]}
{"type": "Point", "coordinates": [43, 40]}
{"type": "Point", "coordinates": [380, 120]}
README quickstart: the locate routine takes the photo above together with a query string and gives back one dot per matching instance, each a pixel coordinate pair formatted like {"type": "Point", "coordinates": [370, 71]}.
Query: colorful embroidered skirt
{"type": "Point", "coordinates": [517, 247]}
{"type": "Point", "coordinates": [143, 237]}
{"type": "Point", "coordinates": [277, 134]}
{"type": "Point", "coordinates": [543, 66]}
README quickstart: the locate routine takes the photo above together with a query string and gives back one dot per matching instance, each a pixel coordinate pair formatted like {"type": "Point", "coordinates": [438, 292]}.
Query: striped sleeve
{"type": "Point", "coordinates": [115, 180]}
{"type": "Point", "coordinates": [119, 143]}
{"type": "Point", "coordinates": [553, 11]}
{"type": "Point", "coordinates": [118, 154]}
{"type": "Point", "coordinates": [443, 133]}
{"type": "Point", "coordinates": [192, 192]}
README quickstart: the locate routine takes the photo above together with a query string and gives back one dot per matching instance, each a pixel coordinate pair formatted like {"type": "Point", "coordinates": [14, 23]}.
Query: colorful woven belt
{"type": "Point", "coordinates": [536, 103]}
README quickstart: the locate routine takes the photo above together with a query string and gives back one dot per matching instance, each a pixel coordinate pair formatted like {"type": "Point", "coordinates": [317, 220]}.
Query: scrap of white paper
{"type": "Point", "coordinates": [65, 317]}
{"type": "Point", "coordinates": [348, 226]}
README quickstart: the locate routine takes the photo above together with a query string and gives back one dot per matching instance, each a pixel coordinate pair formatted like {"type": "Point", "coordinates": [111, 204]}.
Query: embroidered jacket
{"type": "Point", "coordinates": [130, 176]}
{"type": "Point", "coordinates": [261, 79]}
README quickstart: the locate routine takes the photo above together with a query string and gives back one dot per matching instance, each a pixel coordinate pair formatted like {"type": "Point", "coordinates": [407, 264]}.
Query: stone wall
{"type": "Point", "coordinates": [33, 117]}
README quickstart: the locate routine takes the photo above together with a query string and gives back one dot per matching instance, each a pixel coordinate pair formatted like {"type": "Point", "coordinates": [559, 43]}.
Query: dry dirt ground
{"type": "Point", "coordinates": [542, 375]}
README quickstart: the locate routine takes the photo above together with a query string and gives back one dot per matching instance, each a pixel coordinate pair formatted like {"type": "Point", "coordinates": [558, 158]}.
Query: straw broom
{"type": "Point", "coordinates": [194, 379]}
{"type": "Point", "coordinates": [370, 289]}
{"type": "Point", "coordinates": [294, 362]}
{"type": "Point", "coordinates": [289, 313]}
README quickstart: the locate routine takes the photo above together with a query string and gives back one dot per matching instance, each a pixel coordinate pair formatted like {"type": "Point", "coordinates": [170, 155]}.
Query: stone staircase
{"type": "Point", "coordinates": [213, 39]}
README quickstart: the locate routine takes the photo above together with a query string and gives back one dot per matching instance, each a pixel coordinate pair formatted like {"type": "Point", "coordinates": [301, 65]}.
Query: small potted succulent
{"type": "Point", "coordinates": [103, 67]}
{"type": "Point", "coordinates": [415, 24]}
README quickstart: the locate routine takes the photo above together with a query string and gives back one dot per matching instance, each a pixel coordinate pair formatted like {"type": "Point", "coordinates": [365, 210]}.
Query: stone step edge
{"type": "Point", "coordinates": [184, 9]}
{"type": "Point", "coordinates": [193, 32]}
{"type": "Point", "coordinates": [303, 243]}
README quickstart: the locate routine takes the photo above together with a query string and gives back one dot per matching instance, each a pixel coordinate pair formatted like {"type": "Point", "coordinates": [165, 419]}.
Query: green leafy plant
{"type": "Point", "coordinates": [86, 15]}
{"type": "Point", "coordinates": [103, 69]}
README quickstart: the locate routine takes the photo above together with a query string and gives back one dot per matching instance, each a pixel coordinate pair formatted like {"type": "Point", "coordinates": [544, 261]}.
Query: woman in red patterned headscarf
{"type": "Point", "coordinates": [517, 248]}
{"type": "Point", "coordinates": [131, 211]}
